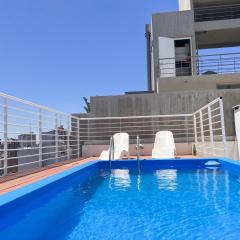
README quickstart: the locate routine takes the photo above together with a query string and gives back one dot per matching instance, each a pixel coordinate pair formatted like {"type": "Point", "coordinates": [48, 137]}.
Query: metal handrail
{"type": "Point", "coordinates": [207, 55]}
{"type": "Point", "coordinates": [138, 147]}
{"type": "Point", "coordinates": [111, 151]}
{"type": "Point", "coordinates": [201, 64]}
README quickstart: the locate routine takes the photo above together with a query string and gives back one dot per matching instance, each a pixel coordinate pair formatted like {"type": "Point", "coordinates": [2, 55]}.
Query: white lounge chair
{"type": "Point", "coordinates": [121, 147]}
{"type": "Point", "coordinates": [164, 146]}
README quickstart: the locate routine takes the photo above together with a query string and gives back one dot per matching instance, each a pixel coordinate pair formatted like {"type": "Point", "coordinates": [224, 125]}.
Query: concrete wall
{"type": "Point", "coordinates": [95, 150]}
{"type": "Point", "coordinates": [172, 25]}
{"type": "Point", "coordinates": [166, 103]}
{"type": "Point", "coordinates": [218, 34]}
{"type": "Point", "coordinates": [202, 82]}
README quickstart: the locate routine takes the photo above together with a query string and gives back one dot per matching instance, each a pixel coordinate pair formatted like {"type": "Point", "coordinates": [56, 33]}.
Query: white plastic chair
{"type": "Point", "coordinates": [121, 147]}
{"type": "Point", "coordinates": [164, 146]}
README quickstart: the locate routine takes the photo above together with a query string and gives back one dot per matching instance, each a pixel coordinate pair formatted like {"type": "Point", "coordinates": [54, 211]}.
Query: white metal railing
{"type": "Point", "coordinates": [209, 128]}
{"type": "Point", "coordinates": [205, 127]}
{"type": "Point", "coordinates": [32, 135]}
{"type": "Point", "coordinates": [227, 63]}
{"type": "Point", "coordinates": [99, 130]}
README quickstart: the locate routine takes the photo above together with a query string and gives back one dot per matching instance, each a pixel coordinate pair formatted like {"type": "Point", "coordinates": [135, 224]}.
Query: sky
{"type": "Point", "coordinates": [54, 52]}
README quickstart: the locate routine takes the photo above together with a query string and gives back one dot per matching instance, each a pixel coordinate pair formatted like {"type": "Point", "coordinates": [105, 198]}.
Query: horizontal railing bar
{"type": "Point", "coordinates": [206, 55]}
{"type": "Point", "coordinates": [32, 155]}
{"type": "Point", "coordinates": [130, 117]}
{"type": "Point", "coordinates": [22, 125]}
{"type": "Point", "coordinates": [146, 122]}
{"type": "Point", "coordinates": [23, 110]}
{"type": "Point", "coordinates": [150, 126]}
{"type": "Point", "coordinates": [153, 135]}
{"type": "Point", "coordinates": [3, 95]}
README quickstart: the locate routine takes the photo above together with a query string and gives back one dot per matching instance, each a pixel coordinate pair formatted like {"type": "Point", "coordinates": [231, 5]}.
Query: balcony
{"type": "Point", "coordinates": [200, 65]}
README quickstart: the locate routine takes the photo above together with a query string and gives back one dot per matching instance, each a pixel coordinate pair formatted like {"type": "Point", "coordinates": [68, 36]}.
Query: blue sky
{"type": "Point", "coordinates": [54, 52]}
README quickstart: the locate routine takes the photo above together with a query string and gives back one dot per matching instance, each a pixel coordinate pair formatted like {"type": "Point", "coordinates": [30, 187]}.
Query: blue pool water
{"type": "Point", "coordinates": [128, 204]}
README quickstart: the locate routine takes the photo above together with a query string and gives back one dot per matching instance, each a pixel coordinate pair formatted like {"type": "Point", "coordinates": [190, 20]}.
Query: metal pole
{"type": "Point", "coordinates": [5, 114]}
{"type": "Point", "coordinates": [210, 127]}
{"type": "Point", "coordinates": [111, 151]}
{"type": "Point", "coordinates": [78, 140]}
{"type": "Point", "coordinates": [68, 138]}
{"type": "Point", "coordinates": [138, 147]}
{"type": "Point", "coordinates": [149, 58]}
{"type": "Point", "coordinates": [195, 128]}
{"type": "Point", "coordinates": [210, 124]}
{"type": "Point", "coordinates": [223, 126]}
{"type": "Point", "coordinates": [201, 125]}
{"type": "Point", "coordinates": [56, 137]}
{"type": "Point", "coordinates": [40, 136]}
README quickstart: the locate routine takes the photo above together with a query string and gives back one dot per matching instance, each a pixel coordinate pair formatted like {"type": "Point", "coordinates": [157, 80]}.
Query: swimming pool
{"type": "Point", "coordinates": [173, 199]}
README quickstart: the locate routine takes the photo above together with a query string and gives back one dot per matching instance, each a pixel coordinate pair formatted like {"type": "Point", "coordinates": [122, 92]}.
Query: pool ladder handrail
{"type": "Point", "coordinates": [111, 150]}
{"type": "Point", "coordinates": [138, 148]}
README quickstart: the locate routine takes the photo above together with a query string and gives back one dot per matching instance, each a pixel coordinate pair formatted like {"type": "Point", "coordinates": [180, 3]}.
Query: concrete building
{"type": "Point", "coordinates": [27, 140]}
{"type": "Point", "coordinates": [174, 40]}
{"type": "Point", "coordinates": [180, 79]}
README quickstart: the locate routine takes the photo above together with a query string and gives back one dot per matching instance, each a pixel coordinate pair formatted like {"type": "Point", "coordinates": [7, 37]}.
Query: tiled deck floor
{"type": "Point", "coordinates": [10, 183]}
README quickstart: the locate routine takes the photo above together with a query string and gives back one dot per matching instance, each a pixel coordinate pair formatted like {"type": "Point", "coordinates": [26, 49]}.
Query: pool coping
{"type": "Point", "coordinates": [31, 187]}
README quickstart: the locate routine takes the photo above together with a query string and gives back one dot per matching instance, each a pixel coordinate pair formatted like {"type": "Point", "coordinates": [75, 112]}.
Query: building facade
{"type": "Point", "coordinates": [175, 41]}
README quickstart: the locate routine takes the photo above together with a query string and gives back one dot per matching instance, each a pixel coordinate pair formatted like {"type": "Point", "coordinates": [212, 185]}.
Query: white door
{"type": "Point", "coordinates": [167, 65]}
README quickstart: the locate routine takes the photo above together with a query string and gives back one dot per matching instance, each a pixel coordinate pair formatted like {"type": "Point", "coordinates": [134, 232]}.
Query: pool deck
{"type": "Point", "coordinates": [11, 182]}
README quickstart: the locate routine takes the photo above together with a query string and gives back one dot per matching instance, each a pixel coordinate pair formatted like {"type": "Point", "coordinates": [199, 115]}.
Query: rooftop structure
{"type": "Point", "coordinates": [174, 40]}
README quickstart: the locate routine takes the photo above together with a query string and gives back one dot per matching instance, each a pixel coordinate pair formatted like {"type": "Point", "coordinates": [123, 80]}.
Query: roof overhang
{"type": "Point", "coordinates": [213, 2]}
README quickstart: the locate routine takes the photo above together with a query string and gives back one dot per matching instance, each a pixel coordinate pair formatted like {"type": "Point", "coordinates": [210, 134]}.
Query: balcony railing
{"type": "Point", "coordinates": [219, 12]}
{"type": "Point", "coordinates": [200, 65]}
{"type": "Point", "coordinates": [34, 136]}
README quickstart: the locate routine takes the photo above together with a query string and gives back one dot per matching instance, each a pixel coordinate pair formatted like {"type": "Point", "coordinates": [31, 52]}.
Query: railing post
{"type": "Point", "coordinates": [78, 140]}
{"type": "Point", "coordinates": [195, 128]}
{"type": "Point", "coordinates": [210, 124]}
{"type": "Point", "coordinates": [40, 137]}
{"type": "Point", "coordinates": [201, 125]}
{"type": "Point", "coordinates": [223, 126]}
{"type": "Point", "coordinates": [56, 137]}
{"type": "Point", "coordinates": [5, 116]}
{"type": "Point", "coordinates": [210, 127]}
{"type": "Point", "coordinates": [68, 137]}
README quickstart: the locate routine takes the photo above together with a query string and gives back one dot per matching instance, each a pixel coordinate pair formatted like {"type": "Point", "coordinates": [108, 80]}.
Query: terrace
{"type": "Point", "coordinates": [50, 161]}
{"type": "Point", "coordinates": [35, 137]}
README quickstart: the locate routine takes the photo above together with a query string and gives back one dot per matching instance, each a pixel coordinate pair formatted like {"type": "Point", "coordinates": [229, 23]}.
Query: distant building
{"type": "Point", "coordinates": [27, 140]}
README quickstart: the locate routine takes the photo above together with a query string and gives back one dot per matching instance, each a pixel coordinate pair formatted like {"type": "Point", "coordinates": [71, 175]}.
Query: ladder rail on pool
{"type": "Point", "coordinates": [111, 151]}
